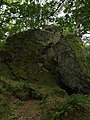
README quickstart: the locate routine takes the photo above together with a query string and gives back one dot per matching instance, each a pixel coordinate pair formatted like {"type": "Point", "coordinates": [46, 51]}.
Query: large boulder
{"type": "Point", "coordinates": [71, 66]}
{"type": "Point", "coordinates": [25, 53]}
{"type": "Point", "coordinates": [32, 54]}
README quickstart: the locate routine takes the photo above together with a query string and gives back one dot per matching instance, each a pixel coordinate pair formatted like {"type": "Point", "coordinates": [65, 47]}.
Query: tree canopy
{"type": "Point", "coordinates": [78, 13]}
{"type": "Point", "coordinates": [20, 15]}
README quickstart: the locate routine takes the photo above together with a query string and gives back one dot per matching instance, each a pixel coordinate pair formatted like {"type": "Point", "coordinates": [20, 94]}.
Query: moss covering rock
{"type": "Point", "coordinates": [71, 64]}
{"type": "Point", "coordinates": [44, 57]}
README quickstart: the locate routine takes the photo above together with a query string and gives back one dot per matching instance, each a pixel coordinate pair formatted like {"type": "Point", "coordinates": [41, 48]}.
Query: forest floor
{"type": "Point", "coordinates": [16, 109]}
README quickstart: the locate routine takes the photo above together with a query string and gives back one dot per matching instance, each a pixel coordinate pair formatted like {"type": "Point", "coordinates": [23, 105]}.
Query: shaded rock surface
{"type": "Point", "coordinates": [71, 65]}
{"type": "Point", "coordinates": [41, 55]}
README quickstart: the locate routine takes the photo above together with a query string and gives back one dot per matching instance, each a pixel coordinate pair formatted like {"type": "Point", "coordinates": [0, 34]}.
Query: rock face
{"type": "Point", "coordinates": [34, 54]}
{"type": "Point", "coordinates": [71, 65]}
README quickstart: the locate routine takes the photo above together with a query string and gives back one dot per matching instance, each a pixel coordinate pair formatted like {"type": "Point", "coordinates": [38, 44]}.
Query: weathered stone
{"type": "Point", "coordinates": [71, 65]}
{"type": "Point", "coordinates": [40, 51]}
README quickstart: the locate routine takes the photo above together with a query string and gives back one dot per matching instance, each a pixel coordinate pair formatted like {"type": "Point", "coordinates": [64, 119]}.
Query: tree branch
{"type": "Point", "coordinates": [59, 5]}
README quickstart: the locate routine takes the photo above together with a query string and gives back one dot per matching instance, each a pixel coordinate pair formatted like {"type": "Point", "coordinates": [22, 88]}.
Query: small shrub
{"type": "Point", "coordinates": [59, 92]}
{"type": "Point", "coordinates": [78, 101]}
{"type": "Point", "coordinates": [75, 102]}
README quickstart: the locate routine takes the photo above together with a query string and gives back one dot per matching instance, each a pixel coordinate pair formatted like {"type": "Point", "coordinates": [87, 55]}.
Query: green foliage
{"type": "Point", "coordinates": [21, 90]}
{"type": "Point", "coordinates": [59, 92]}
{"type": "Point", "coordinates": [78, 101]}
{"type": "Point", "coordinates": [22, 15]}
{"type": "Point", "coordinates": [1, 88]}
{"type": "Point", "coordinates": [75, 102]}
{"type": "Point", "coordinates": [2, 42]}
{"type": "Point", "coordinates": [59, 110]}
{"type": "Point", "coordinates": [88, 56]}
{"type": "Point", "coordinates": [16, 16]}
{"type": "Point", "coordinates": [4, 106]}
{"type": "Point", "coordinates": [77, 15]}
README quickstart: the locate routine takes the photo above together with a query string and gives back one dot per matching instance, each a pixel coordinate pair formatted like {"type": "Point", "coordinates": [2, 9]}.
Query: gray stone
{"type": "Point", "coordinates": [37, 51]}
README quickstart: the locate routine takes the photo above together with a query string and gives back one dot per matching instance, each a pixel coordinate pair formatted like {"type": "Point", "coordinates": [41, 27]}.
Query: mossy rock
{"type": "Point", "coordinates": [71, 64]}
{"type": "Point", "coordinates": [25, 49]}
{"type": "Point", "coordinates": [40, 55]}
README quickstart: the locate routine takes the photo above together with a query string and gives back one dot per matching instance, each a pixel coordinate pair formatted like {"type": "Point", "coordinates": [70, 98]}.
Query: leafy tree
{"type": "Point", "coordinates": [78, 13]}
{"type": "Point", "coordinates": [19, 15]}
{"type": "Point", "coordinates": [22, 15]}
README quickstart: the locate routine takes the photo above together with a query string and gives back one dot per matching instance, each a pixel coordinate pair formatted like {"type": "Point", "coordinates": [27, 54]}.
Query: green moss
{"type": "Point", "coordinates": [46, 78]}
{"type": "Point", "coordinates": [77, 49]}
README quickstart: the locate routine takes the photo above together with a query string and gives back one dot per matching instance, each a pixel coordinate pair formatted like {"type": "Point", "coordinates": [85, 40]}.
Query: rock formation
{"type": "Point", "coordinates": [35, 53]}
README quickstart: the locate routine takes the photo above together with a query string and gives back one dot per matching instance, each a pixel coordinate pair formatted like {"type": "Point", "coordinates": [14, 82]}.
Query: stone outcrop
{"type": "Point", "coordinates": [31, 55]}
{"type": "Point", "coordinates": [71, 65]}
